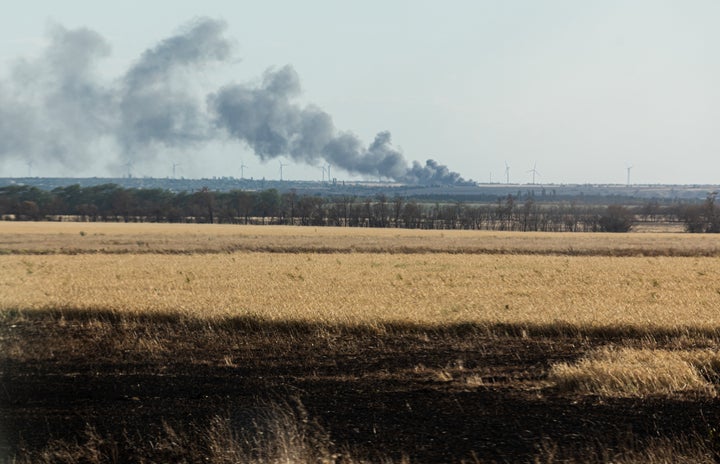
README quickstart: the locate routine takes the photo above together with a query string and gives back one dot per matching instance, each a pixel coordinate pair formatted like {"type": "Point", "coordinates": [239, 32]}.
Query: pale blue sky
{"type": "Point", "coordinates": [581, 88]}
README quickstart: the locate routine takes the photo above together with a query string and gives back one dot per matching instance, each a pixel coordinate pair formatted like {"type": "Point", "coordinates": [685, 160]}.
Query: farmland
{"type": "Point", "coordinates": [162, 342]}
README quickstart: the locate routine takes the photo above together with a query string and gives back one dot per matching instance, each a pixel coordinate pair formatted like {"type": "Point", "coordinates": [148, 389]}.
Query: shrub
{"type": "Point", "coordinates": [617, 218]}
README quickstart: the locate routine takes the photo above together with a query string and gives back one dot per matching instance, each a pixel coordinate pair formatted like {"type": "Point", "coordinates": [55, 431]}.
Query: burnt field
{"type": "Point", "coordinates": [121, 389]}
{"type": "Point", "coordinates": [152, 344]}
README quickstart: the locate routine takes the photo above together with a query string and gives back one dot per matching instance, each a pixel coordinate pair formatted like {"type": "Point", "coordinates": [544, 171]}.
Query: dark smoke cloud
{"type": "Point", "coordinates": [268, 121]}
{"type": "Point", "coordinates": [379, 159]}
{"type": "Point", "coordinates": [265, 119]}
{"type": "Point", "coordinates": [56, 108]}
{"type": "Point", "coordinates": [432, 173]}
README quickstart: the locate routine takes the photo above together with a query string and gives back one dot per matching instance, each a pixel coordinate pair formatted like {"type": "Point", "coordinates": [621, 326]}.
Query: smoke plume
{"type": "Point", "coordinates": [157, 102]}
{"type": "Point", "coordinates": [57, 108]}
{"type": "Point", "coordinates": [54, 108]}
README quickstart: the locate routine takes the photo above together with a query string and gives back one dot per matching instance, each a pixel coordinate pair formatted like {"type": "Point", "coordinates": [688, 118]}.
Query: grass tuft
{"type": "Point", "coordinates": [631, 372]}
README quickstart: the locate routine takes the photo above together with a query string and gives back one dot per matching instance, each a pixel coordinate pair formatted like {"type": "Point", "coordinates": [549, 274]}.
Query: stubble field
{"type": "Point", "coordinates": [158, 343]}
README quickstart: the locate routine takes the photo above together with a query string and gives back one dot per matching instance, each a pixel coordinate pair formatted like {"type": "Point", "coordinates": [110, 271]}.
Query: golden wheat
{"type": "Point", "coordinates": [376, 288]}
{"type": "Point", "coordinates": [46, 237]}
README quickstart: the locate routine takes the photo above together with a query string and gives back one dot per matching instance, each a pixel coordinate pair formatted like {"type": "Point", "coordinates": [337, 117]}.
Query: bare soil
{"type": "Point", "coordinates": [427, 394]}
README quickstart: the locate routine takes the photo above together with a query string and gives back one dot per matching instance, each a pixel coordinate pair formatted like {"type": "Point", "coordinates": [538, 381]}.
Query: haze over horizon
{"type": "Point", "coordinates": [581, 91]}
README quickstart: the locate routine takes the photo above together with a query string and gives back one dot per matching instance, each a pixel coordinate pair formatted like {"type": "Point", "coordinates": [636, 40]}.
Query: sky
{"type": "Point", "coordinates": [582, 92]}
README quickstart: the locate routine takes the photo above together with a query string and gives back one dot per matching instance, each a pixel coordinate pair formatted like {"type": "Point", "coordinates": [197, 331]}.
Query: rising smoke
{"type": "Point", "coordinates": [58, 109]}
{"type": "Point", "coordinates": [54, 108]}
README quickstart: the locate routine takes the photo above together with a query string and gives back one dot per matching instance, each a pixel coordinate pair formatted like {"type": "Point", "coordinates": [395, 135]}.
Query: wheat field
{"type": "Point", "coordinates": [370, 287]}
{"type": "Point", "coordinates": [74, 237]}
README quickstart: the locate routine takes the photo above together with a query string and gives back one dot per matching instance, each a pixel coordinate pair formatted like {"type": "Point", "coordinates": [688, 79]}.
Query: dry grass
{"type": "Point", "coordinates": [281, 433]}
{"type": "Point", "coordinates": [631, 372]}
{"type": "Point", "coordinates": [586, 292]}
{"type": "Point", "coordinates": [693, 450]}
{"type": "Point", "coordinates": [47, 237]}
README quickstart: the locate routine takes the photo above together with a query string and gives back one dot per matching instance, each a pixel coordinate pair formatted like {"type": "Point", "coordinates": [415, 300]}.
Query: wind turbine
{"type": "Point", "coordinates": [534, 172]}
{"type": "Point", "coordinates": [323, 173]}
{"type": "Point", "coordinates": [629, 168]}
{"type": "Point", "coordinates": [29, 165]}
{"type": "Point", "coordinates": [328, 172]}
{"type": "Point", "coordinates": [282, 165]}
{"type": "Point", "coordinates": [507, 173]}
{"type": "Point", "coordinates": [242, 170]}
{"type": "Point", "coordinates": [129, 166]}
{"type": "Point", "coordinates": [174, 166]}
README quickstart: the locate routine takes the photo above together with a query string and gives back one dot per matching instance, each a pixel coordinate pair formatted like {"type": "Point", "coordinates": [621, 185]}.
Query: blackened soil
{"type": "Point", "coordinates": [426, 394]}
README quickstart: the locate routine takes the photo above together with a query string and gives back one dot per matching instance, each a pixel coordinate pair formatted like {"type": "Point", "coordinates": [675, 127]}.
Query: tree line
{"type": "Point", "coordinates": [111, 202]}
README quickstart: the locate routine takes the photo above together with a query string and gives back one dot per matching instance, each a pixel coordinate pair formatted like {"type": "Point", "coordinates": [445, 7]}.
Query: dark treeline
{"type": "Point", "coordinates": [110, 202]}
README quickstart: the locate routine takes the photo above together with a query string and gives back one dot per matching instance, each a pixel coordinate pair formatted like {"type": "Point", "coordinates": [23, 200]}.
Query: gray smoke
{"type": "Point", "coordinates": [266, 118]}
{"type": "Point", "coordinates": [272, 125]}
{"type": "Point", "coordinates": [54, 108]}
{"type": "Point", "coordinates": [432, 173]}
{"type": "Point", "coordinates": [158, 104]}
{"type": "Point", "coordinates": [58, 109]}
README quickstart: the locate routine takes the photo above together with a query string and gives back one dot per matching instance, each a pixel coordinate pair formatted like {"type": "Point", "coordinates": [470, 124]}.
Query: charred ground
{"type": "Point", "coordinates": [429, 394]}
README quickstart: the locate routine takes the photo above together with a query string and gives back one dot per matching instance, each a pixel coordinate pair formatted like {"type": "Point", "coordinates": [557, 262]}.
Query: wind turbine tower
{"type": "Point", "coordinates": [129, 166]}
{"type": "Point", "coordinates": [30, 165]}
{"type": "Point", "coordinates": [282, 165]}
{"type": "Point", "coordinates": [534, 172]}
{"type": "Point", "coordinates": [629, 168]}
{"type": "Point", "coordinates": [242, 170]}
{"type": "Point", "coordinates": [175, 165]}
{"type": "Point", "coordinates": [507, 173]}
